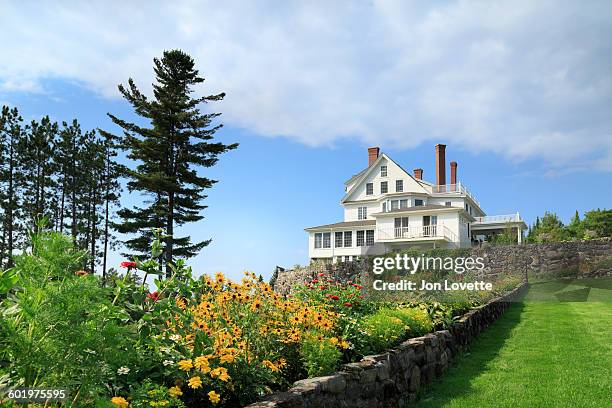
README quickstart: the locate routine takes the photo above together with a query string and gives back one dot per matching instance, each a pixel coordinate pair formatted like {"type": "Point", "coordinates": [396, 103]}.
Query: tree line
{"type": "Point", "coordinates": [549, 228]}
{"type": "Point", "coordinates": [71, 178]}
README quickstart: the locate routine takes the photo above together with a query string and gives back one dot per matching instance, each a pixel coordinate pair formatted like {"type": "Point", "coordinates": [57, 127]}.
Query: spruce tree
{"type": "Point", "coordinates": [177, 142]}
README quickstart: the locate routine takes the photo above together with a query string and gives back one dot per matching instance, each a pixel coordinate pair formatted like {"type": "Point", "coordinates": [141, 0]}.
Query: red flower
{"type": "Point", "coordinates": [334, 297]}
{"type": "Point", "coordinates": [154, 296]}
{"type": "Point", "coordinates": [315, 281]}
{"type": "Point", "coordinates": [128, 264]}
{"type": "Point", "coordinates": [321, 274]}
{"type": "Point", "coordinates": [348, 304]}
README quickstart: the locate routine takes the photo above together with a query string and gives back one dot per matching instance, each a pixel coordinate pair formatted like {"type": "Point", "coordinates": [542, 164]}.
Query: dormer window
{"type": "Point", "coordinates": [384, 187]}
{"type": "Point", "coordinates": [383, 171]}
{"type": "Point", "coordinates": [369, 188]}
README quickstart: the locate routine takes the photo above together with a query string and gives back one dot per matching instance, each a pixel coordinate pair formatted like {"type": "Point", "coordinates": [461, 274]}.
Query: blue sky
{"type": "Point", "coordinates": [521, 95]}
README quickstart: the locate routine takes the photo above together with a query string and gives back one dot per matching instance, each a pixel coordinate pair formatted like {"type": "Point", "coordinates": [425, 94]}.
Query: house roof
{"type": "Point", "coordinates": [344, 224]}
{"type": "Point", "coordinates": [361, 175]}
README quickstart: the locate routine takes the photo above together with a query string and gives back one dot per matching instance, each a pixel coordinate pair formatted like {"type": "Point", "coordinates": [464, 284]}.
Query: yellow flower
{"type": "Point", "coordinates": [345, 344]}
{"type": "Point", "coordinates": [120, 402]}
{"type": "Point", "coordinates": [185, 365]}
{"type": "Point", "coordinates": [270, 365]}
{"type": "Point", "coordinates": [214, 397]}
{"type": "Point", "coordinates": [227, 358]}
{"type": "Point", "coordinates": [333, 340]}
{"type": "Point", "coordinates": [220, 372]}
{"type": "Point", "coordinates": [175, 391]}
{"type": "Point", "coordinates": [201, 363]}
{"type": "Point", "coordinates": [195, 382]}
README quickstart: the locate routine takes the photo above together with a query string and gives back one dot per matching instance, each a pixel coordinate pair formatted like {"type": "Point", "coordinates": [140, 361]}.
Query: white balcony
{"type": "Point", "coordinates": [498, 219]}
{"type": "Point", "coordinates": [417, 233]}
{"type": "Point", "coordinates": [458, 189]}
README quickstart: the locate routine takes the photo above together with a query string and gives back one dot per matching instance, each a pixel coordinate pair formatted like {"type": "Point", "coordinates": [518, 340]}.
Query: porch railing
{"type": "Point", "coordinates": [498, 218]}
{"type": "Point", "coordinates": [452, 188]}
{"type": "Point", "coordinates": [417, 232]}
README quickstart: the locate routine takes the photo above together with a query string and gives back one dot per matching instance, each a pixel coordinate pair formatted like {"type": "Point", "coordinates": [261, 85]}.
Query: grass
{"type": "Point", "coordinates": [552, 350]}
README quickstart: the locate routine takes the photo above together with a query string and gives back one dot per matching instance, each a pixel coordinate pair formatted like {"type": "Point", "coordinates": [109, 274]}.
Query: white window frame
{"type": "Point", "coordinates": [386, 184]}
{"type": "Point", "coordinates": [370, 188]}
{"type": "Point", "coordinates": [348, 234]}
{"type": "Point", "coordinates": [369, 234]}
{"type": "Point", "coordinates": [383, 171]}
{"type": "Point", "coordinates": [362, 238]}
{"type": "Point", "coordinates": [341, 236]}
{"type": "Point", "coordinates": [399, 183]}
{"type": "Point", "coordinates": [362, 213]}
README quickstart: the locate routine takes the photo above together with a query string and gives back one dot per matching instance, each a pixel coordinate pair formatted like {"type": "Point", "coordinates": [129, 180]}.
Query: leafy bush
{"type": "Point", "coordinates": [383, 331]}
{"type": "Point", "coordinates": [416, 320]}
{"type": "Point", "coordinates": [59, 325]}
{"type": "Point", "coordinates": [319, 355]}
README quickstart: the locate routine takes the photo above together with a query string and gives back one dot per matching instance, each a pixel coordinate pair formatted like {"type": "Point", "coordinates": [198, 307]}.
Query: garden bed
{"type": "Point", "coordinates": [394, 377]}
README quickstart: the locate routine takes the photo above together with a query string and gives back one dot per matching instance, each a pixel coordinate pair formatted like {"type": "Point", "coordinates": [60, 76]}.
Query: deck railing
{"type": "Point", "coordinates": [453, 188]}
{"type": "Point", "coordinates": [417, 232]}
{"type": "Point", "coordinates": [498, 218]}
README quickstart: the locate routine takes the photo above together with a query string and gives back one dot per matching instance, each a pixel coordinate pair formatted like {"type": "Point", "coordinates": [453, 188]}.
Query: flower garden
{"type": "Point", "coordinates": [200, 342]}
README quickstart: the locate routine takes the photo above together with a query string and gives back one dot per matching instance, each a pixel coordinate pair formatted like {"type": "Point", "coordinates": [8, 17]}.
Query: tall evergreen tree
{"type": "Point", "coordinates": [37, 168]}
{"type": "Point", "coordinates": [111, 188]}
{"type": "Point", "coordinates": [11, 134]}
{"type": "Point", "coordinates": [178, 142]}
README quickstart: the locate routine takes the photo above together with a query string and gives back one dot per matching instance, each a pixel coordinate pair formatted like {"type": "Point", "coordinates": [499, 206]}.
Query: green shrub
{"type": "Point", "coordinates": [58, 326]}
{"type": "Point", "coordinates": [417, 320]}
{"type": "Point", "coordinates": [383, 330]}
{"type": "Point", "coordinates": [320, 356]}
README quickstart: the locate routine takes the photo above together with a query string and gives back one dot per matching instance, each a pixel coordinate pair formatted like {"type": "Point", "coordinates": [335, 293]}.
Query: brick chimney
{"type": "Point", "coordinates": [373, 155]}
{"type": "Point", "coordinates": [453, 179]}
{"type": "Point", "coordinates": [440, 164]}
{"type": "Point", "coordinates": [418, 174]}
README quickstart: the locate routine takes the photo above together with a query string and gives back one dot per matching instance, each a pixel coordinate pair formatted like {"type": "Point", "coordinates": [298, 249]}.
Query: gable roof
{"type": "Point", "coordinates": [364, 173]}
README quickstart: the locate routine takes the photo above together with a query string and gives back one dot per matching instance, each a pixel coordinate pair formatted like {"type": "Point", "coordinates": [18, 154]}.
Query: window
{"type": "Point", "coordinates": [360, 238]}
{"type": "Point", "coordinates": [394, 205]}
{"type": "Point", "coordinates": [401, 226]}
{"type": "Point", "coordinates": [399, 186]}
{"type": "Point", "coordinates": [318, 240]}
{"type": "Point", "coordinates": [369, 237]}
{"type": "Point", "coordinates": [468, 229]}
{"type": "Point", "coordinates": [448, 203]}
{"type": "Point", "coordinates": [418, 202]}
{"type": "Point", "coordinates": [327, 240]}
{"type": "Point", "coordinates": [403, 203]}
{"type": "Point", "coordinates": [369, 188]}
{"type": "Point", "coordinates": [362, 213]}
{"type": "Point", "coordinates": [383, 171]}
{"type": "Point", "coordinates": [338, 240]}
{"type": "Point", "coordinates": [466, 208]}
{"type": "Point", "coordinates": [348, 239]}
{"type": "Point", "coordinates": [384, 207]}
{"type": "Point", "coordinates": [384, 187]}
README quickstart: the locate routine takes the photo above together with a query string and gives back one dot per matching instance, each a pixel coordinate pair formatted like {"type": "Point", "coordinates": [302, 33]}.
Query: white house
{"type": "Point", "coordinates": [386, 208]}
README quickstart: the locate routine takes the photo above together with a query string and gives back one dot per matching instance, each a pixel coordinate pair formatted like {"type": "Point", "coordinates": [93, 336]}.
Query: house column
{"type": "Point", "coordinates": [519, 235]}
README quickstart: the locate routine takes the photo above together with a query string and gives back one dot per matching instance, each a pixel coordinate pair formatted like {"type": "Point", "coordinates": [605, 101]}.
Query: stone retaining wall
{"type": "Point", "coordinates": [575, 258]}
{"type": "Point", "coordinates": [392, 378]}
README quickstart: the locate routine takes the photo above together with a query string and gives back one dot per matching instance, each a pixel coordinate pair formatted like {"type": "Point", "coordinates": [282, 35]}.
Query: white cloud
{"type": "Point", "coordinates": [522, 79]}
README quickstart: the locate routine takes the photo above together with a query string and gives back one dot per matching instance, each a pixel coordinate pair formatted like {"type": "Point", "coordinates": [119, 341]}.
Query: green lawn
{"type": "Point", "coordinates": [552, 350]}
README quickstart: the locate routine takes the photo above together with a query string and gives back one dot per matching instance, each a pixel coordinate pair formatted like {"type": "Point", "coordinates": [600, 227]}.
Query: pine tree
{"type": "Point", "coordinates": [169, 153]}
{"type": "Point", "coordinates": [37, 169]}
{"type": "Point", "coordinates": [111, 188]}
{"type": "Point", "coordinates": [11, 134]}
